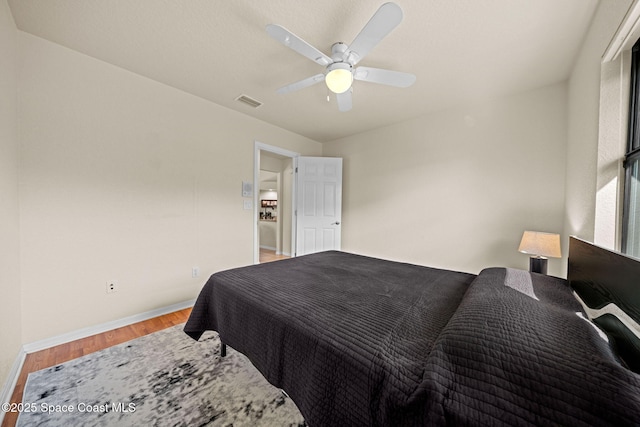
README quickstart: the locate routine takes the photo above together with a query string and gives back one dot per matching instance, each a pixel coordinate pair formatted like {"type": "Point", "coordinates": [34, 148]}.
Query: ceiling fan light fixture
{"type": "Point", "coordinates": [339, 77]}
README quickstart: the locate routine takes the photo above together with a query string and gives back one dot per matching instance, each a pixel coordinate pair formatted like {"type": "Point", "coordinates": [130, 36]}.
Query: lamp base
{"type": "Point", "coordinates": [538, 264]}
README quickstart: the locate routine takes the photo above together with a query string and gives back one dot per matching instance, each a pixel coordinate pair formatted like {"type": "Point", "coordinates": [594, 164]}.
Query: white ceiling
{"type": "Point", "coordinates": [460, 50]}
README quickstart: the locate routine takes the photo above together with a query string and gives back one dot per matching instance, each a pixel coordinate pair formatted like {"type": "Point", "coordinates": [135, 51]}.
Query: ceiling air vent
{"type": "Point", "coordinates": [249, 101]}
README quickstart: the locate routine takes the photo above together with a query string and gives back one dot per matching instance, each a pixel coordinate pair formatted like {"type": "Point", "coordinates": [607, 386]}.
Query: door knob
{"type": "Point", "coordinates": [336, 223]}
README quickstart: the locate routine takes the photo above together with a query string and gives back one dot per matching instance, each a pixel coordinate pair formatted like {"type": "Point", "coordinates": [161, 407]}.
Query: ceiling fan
{"type": "Point", "coordinates": [340, 68]}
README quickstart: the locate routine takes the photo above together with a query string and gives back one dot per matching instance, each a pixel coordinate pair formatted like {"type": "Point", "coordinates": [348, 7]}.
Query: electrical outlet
{"type": "Point", "coordinates": [195, 272]}
{"type": "Point", "coordinates": [112, 286]}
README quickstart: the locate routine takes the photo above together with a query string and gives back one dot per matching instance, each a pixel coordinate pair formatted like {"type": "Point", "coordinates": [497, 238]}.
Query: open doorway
{"type": "Point", "coordinates": [273, 212]}
{"type": "Point", "coordinates": [274, 227]}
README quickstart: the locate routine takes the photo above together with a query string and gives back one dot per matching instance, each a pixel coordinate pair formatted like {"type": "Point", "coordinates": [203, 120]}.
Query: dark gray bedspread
{"type": "Point", "coordinates": [526, 357]}
{"type": "Point", "coordinates": [345, 336]}
{"type": "Point", "coordinates": [358, 341]}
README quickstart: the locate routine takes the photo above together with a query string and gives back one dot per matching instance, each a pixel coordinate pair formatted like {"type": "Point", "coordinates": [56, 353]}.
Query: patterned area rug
{"type": "Point", "coordinates": [162, 379]}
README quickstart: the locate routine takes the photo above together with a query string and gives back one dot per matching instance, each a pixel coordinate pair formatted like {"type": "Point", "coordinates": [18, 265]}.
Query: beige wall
{"type": "Point", "coordinates": [456, 188]}
{"type": "Point", "coordinates": [10, 332]}
{"type": "Point", "coordinates": [123, 178]}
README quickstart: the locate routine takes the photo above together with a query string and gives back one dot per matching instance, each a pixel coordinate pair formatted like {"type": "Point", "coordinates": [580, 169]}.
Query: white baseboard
{"type": "Point", "coordinates": [271, 248]}
{"type": "Point", "coordinates": [104, 327]}
{"type": "Point", "coordinates": [12, 379]}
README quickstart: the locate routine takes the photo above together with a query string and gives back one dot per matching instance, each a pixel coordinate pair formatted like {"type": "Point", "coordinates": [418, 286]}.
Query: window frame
{"type": "Point", "coordinates": [632, 153]}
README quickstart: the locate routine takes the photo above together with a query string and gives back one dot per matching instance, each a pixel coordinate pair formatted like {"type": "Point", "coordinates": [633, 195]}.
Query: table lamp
{"type": "Point", "coordinates": [540, 245]}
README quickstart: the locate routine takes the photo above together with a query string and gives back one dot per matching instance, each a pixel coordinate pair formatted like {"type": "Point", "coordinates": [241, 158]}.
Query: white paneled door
{"type": "Point", "coordinates": [319, 204]}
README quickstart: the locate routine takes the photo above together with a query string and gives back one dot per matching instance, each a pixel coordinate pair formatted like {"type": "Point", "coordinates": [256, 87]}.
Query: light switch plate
{"type": "Point", "coordinates": [247, 189]}
{"type": "Point", "coordinates": [248, 205]}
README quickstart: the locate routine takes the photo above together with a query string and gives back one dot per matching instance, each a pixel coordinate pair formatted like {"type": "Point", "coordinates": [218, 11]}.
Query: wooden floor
{"type": "Point", "coordinates": [56, 355]}
{"type": "Point", "coordinates": [267, 255]}
{"type": "Point", "coordinates": [63, 353]}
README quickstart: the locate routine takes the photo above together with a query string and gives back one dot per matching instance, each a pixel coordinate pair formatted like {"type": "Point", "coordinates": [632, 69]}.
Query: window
{"type": "Point", "coordinates": [631, 213]}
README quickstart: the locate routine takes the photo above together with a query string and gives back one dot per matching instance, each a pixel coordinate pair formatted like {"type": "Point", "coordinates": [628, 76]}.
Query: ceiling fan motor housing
{"type": "Point", "coordinates": [340, 53]}
{"type": "Point", "coordinates": [337, 51]}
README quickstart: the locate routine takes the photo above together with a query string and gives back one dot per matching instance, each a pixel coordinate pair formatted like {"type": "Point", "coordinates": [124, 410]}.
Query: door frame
{"type": "Point", "coordinates": [258, 147]}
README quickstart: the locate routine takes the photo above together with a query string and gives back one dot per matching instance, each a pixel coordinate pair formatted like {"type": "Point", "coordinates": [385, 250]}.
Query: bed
{"type": "Point", "coordinates": [360, 341]}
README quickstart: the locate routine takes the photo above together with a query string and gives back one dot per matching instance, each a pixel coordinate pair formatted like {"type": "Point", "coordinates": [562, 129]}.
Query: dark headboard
{"type": "Point", "coordinates": [601, 277]}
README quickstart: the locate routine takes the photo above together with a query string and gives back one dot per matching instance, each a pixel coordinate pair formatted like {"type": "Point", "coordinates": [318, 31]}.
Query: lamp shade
{"type": "Point", "coordinates": [540, 244]}
{"type": "Point", "coordinates": [339, 77]}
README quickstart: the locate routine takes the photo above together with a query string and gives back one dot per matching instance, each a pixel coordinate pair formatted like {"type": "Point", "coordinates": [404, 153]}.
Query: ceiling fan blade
{"type": "Point", "coordinates": [381, 23]}
{"type": "Point", "coordinates": [294, 42]}
{"type": "Point", "coordinates": [309, 81]}
{"type": "Point", "coordinates": [344, 100]}
{"type": "Point", "coordinates": [385, 77]}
